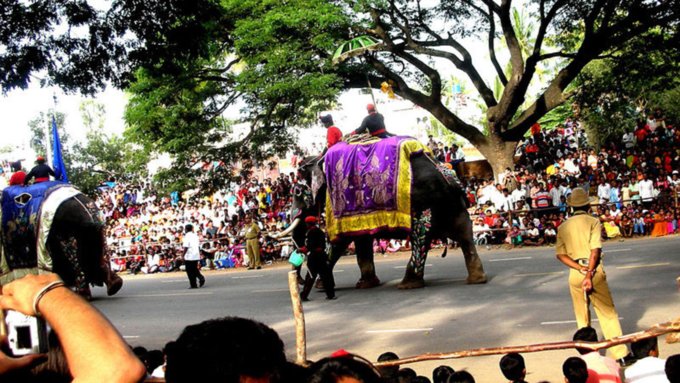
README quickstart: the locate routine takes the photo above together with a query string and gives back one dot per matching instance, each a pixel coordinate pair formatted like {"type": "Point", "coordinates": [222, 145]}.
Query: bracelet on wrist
{"type": "Point", "coordinates": [41, 294]}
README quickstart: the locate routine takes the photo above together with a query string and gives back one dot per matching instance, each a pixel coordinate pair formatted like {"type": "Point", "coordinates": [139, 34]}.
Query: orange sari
{"type": "Point", "coordinates": [660, 228]}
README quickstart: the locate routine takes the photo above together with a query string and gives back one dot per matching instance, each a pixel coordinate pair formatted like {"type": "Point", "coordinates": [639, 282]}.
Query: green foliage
{"type": "Point", "coordinates": [615, 92]}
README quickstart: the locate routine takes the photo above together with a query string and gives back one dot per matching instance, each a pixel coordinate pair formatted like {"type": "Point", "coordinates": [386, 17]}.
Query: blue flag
{"type": "Point", "coordinates": [57, 159]}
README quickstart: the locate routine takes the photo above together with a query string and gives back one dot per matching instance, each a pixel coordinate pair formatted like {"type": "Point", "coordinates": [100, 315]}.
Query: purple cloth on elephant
{"type": "Point", "coordinates": [369, 186]}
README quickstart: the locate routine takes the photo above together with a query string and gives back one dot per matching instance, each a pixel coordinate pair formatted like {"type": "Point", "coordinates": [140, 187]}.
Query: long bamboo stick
{"type": "Point", "coordinates": [300, 332]}
{"type": "Point", "coordinates": [654, 331]}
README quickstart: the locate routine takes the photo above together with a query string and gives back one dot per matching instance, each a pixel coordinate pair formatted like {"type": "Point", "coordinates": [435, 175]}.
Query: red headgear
{"type": "Point", "coordinates": [41, 158]}
{"type": "Point", "coordinates": [370, 107]}
{"type": "Point", "coordinates": [310, 219]}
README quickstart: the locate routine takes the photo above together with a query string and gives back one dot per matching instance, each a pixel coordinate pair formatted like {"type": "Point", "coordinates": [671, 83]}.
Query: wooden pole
{"type": "Point", "coordinates": [654, 331]}
{"type": "Point", "coordinates": [586, 301]}
{"type": "Point", "coordinates": [300, 332]}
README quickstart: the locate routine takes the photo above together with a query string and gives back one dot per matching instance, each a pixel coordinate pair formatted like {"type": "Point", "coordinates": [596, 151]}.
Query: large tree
{"type": "Point", "coordinates": [271, 59]}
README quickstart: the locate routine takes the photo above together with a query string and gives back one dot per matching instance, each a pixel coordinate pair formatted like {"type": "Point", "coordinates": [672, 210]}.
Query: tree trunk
{"type": "Point", "coordinates": [499, 153]}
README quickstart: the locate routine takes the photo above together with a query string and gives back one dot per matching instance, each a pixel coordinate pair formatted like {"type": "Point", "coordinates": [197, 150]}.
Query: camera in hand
{"type": "Point", "coordinates": [26, 334]}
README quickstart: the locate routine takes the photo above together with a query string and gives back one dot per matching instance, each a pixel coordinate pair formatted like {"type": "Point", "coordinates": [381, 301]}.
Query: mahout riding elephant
{"type": "Point", "coordinates": [63, 233]}
{"type": "Point", "coordinates": [438, 208]}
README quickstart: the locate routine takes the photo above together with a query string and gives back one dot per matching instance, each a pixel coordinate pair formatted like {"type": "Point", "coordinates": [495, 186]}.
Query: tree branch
{"type": "Point", "coordinates": [511, 39]}
{"type": "Point", "coordinates": [492, 49]}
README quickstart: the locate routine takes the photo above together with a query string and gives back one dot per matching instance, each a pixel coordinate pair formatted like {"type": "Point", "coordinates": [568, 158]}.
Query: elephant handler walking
{"type": "Point", "coordinates": [317, 261]}
{"type": "Point", "coordinates": [579, 247]}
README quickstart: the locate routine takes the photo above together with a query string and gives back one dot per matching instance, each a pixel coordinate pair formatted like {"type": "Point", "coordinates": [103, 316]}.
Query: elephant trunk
{"type": "Point", "coordinates": [290, 228]}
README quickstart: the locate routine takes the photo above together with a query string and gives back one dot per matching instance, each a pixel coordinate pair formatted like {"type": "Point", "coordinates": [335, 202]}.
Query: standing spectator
{"type": "Point", "coordinates": [252, 243]}
{"type": "Point", "coordinates": [646, 190]}
{"type": "Point", "coordinates": [192, 256]}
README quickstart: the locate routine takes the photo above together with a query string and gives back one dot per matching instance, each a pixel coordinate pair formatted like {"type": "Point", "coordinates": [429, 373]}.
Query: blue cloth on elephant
{"type": "Point", "coordinates": [369, 186]}
{"type": "Point", "coordinates": [21, 222]}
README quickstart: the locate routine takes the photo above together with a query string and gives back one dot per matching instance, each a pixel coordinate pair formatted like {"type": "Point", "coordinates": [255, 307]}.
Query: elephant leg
{"type": "Point", "coordinates": [364, 247]}
{"type": "Point", "coordinates": [420, 245]}
{"type": "Point", "coordinates": [111, 279]}
{"type": "Point", "coordinates": [472, 261]}
{"type": "Point", "coordinates": [70, 248]}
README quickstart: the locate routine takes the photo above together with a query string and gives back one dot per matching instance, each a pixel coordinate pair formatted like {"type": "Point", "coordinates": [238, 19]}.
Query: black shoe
{"type": "Point", "coordinates": [251, 268]}
{"type": "Point", "coordinates": [626, 360]}
{"type": "Point", "coordinates": [201, 282]}
{"type": "Point", "coordinates": [259, 267]}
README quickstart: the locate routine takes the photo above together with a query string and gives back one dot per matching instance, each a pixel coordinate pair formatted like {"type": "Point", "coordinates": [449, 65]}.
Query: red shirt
{"type": "Point", "coordinates": [333, 135]}
{"type": "Point", "coordinates": [535, 128]}
{"type": "Point", "coordinates": [17, 179]}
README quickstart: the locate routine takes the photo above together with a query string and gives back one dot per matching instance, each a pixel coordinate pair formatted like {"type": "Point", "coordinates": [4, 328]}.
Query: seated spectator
{"type": "Point", "coordinates": [513, 367]}
{"type": "Point", "coordinates": [550, 234]}
{"type": "Point", "coordinates": [441, 374]}
{"type": "Point", "coordinates": [575, 370]}
{"type": "Point", "coordinates": [533, 237]}
{"type": "Point", "coordinates": [229, 350]}
{"type": "Point", "coordinates": [405, 375]}
{"type": "Point", "coordinates": [600, 368]}
{"type": "Point", "coordinates": [649, 368]}
{"type": "Point", "coordinates": [389, 374]}
{"type": "Point", "coordinates": [672, 368]}
{"type": "Point", "coordinates": [94, 350]}
{"type": "Point", "coordinates": [342, 369]}
{"type": "Point", "coordinates": [461, 377]}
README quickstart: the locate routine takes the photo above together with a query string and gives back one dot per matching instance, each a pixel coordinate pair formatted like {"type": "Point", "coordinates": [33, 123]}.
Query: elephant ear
{"type": "Point", "coordinates": [318, 180]}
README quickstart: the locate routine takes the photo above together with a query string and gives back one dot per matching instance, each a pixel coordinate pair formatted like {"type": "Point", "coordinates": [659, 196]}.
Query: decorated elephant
{"type": "Point", "coordinates": [387, 189]}
{"type": "Point", "coordinates": [53, 227]}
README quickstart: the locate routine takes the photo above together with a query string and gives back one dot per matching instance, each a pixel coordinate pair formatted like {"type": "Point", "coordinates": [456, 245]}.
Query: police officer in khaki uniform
{"type": "Point", "coordinates": [252, 244]}
{"type": "Point", "coordinates": [579, 247]}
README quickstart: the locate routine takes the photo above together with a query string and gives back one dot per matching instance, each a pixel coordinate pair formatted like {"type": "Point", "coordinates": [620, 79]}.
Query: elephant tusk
{"type": "Point", "coordinates": [290, 228]}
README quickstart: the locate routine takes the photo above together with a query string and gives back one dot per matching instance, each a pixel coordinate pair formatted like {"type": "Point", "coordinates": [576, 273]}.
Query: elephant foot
{"type": "Point", "coordinates": [408, 284]}
{"type": "Point", "coordinates": [476, 279]}
{"type": "Point", "coordinates": [368, 283]}
{"type": "Point", "coordinates": [114, 285]}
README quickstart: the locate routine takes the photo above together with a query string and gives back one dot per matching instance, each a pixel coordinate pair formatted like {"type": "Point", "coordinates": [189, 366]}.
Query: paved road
{"type": "Point", "coordinates": [526, 301]}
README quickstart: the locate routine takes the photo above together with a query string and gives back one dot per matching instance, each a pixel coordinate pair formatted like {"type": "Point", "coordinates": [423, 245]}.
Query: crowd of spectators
{"type": "Point", "coordinates": [145, 231]}
{"type": "Point", "coordinates": [634, 176]}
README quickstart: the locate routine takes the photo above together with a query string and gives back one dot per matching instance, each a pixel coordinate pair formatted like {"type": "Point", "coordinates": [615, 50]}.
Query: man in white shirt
{"type": "Point", "coordinates": [555, 194]}
{"type": "Point", "coordinates": [649, 368]}
{"type": "Point", "coordinates": [646, 190]}
{"type": "Point", "coordinates": [604, 192]}
{"type": "Point", "coordinates": [191, 257]}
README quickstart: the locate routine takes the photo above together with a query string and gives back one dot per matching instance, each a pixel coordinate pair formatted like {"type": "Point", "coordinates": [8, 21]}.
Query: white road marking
{"type": "Point", "coordinates": [570, 321]}
{"type": "Point", "coordinates": [508, 259]}
{"type": "Point", "coordinates": [402, 330]}
{"type": "Point", "coordinates": [537, 274]}
{"type": "Point", "coordinates": [403, 267]}
{"type": "Point", "coordinates": [639, 266]}
{"type": "Point", "coordinates": [250, 276]}
{"type": "Point", "coordinates": [614, 251]}
{"type": "Point", "coordinates": [130, 336]}
{"type": "Point", "coordinates": [270, 291]}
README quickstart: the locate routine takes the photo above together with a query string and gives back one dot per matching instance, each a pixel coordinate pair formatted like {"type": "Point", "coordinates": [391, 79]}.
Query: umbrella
{"type": "Point", "coordinates": [356, 46]}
